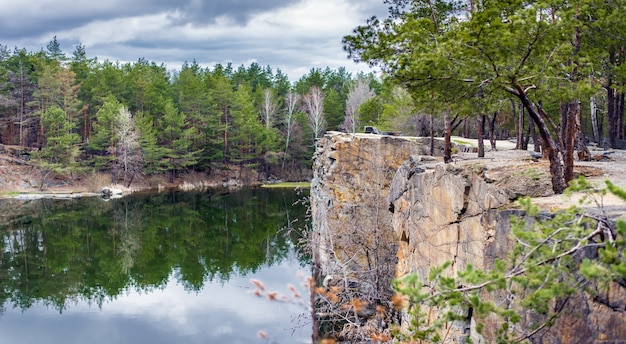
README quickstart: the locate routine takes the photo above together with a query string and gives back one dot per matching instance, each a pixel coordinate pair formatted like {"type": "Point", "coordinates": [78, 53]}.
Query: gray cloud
{"type": "Point", "coordinates": [203, 12]}
{"type": "Point", "coordinates": [293, 35]}
{"type": "Point", "coordinates": [41, 16]}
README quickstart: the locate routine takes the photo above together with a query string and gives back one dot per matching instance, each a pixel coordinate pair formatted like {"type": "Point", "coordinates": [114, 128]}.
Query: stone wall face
{"type": "Point", "coordinates": [383, 208]}
{"type": "Point", "coordinates": [352, 177]}
{"type": "Point", "coordinates": [439, 215]}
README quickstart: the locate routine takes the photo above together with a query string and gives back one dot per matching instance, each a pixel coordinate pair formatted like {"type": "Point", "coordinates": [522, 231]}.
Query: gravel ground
{"type": "Point", "coordinates": [605, 165]}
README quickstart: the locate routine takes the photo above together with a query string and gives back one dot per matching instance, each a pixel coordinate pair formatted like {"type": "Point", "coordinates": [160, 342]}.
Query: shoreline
{"type": "Point", "coordinates": [74, 194]}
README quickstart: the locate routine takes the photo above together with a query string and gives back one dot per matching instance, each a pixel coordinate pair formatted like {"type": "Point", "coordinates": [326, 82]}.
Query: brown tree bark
{"type": "Point", "coordinates": [549, 146]}
{"type": "Point", "coordinates": [570, 115]}
{"type": "Point", "coordinates": [519, 126]}
{"type": "Point", "coordinates": [492, 131]}
{"type": "Point", "coordinates": [536, 140]}
{"type": "Point", "coordinates": [615, 111]}
{"type": "Point", "coordinates": [620, 117]}
{"type": "Point", "coordinates": [480, 129]}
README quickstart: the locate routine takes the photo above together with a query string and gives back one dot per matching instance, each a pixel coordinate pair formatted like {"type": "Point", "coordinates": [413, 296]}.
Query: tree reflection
{"type": "Point", "coordinates": [60, 252]}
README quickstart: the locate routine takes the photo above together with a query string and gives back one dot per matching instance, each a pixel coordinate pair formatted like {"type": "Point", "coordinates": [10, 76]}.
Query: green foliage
{"type": "Point", "coordinates": [216, 119]}
{"type": "Point", "coordinates": [334, 107]}
{"type": "Point", "coordinates": [553, 257]}
{"type": "Point", "coordinates": [247, 132]}
{"type": "Point", "coordinates": [103, 136]}
{"type": "Point", "coordinates": [61, 148]}
{"type": "Point", "coordinates": [177, 141]}
{"type": "Point", "coordinates": [371, 111]}
{"type": "Point", "coordinates": [459, 60]}
{"type": "Point", "coordinates": [152, 151]}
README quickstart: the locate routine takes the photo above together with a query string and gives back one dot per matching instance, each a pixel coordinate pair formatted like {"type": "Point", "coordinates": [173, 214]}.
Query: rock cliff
{"type": "Point", "coordinates": [382, 208]}
{"type": "Point", "coordinates": [352, 178]}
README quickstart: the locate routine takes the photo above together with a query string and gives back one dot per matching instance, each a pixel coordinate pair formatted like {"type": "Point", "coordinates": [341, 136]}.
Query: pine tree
{"type": "Point", "coordinates": [177, 141]}
{"type": "Point", "coordinates": [101, 144]}
{"type": "Point", "coordinates": [62, 145]}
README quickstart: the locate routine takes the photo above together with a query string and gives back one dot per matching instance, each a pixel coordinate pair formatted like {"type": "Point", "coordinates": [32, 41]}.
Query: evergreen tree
{"type": "Point", "coordinates": [152, 152]}
{"type": "Point", "coordinates": [334, 109]}
{"type": "Point", "coordinates": [54, 50]}
{"type": "Point", "coordinates": [62, 145]}
{"type": "Point", "coordinates": [247, 132]}
{"type": "Point", "coordinates": [192, 98]}
{"type": "Point", "coordinates": [83, 67]}
{"type": "Point", "coordinates": [439, 55]}
{"type": "Point", "coordinates": [220, 97]}
{"type": "Point", "coordinates": [101, 144]}
{"type": "Point", "coordinates": [177, 141]}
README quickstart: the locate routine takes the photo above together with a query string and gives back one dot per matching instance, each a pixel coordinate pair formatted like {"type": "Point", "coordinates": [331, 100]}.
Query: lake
{"type": "Point", "coordinates": [155, 268]}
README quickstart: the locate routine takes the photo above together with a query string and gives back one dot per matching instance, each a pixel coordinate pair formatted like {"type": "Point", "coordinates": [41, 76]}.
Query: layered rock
{"type": "Point", "coordinates": [352, 178]}
{"type": "Point", "coordinates": [381, 208]}
{"type": "Point", "coordinates": [442, 213]}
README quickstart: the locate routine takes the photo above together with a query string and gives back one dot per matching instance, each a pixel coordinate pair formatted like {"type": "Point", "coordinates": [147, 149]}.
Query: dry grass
{"type": "Point", "coordinates": [95, 182]}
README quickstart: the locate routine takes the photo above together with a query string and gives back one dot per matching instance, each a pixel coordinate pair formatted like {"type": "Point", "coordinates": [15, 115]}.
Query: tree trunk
{"type": "Point", "coordinates": [620, 117]}
{"type": "Point", "coordinates": [518, 141]}
{"type": "Point", "coordinates": [480, 127]}
{"type": "Point", "coordinates": [594, 120]}
{"type": "Point", "coordinates": [536, 140]}
{"type": "Point", "coordinates": [466, 129]}
{"type": "Point", "coordinates": [570, 117]}
{"type": "Point", "coordinates": [549, 146]}
{"type": "Point", "coordinates": [492, 132]}
{"type": "Point", "coordinates": [432, 136]}
{"type": "Point", "coordinates": [613, 112]}
{"type": "Point", "coordinates": [526, 140]}
{"type": "Point", "coordinates": [447, 144]}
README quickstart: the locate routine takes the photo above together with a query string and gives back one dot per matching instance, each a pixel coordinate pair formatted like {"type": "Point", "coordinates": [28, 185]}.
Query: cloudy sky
{"type": "Point", "coordinates": [293, 35]}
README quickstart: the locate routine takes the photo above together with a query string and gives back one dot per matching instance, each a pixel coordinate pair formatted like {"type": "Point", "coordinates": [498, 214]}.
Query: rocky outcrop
{"type": "Point", "coordinates": [352, 178]}
{"type": "Point", "coordinates": [354, 245]}
{"type": "Point", "coordinates": [382, 208]}
{"type": "Point", "coordinates": [442, 213]}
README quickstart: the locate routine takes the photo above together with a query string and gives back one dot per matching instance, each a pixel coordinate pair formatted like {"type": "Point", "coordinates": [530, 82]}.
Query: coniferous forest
{"type": "Point", "coordinates": [76, 114]}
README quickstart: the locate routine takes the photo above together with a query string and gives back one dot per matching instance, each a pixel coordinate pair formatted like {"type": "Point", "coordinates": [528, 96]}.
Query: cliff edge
{"type": "Point", "coordinates": [382, 208]}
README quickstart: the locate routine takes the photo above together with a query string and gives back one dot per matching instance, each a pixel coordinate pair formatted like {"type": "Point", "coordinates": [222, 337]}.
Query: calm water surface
{"type": "Point", "coordinates": [161, 268]}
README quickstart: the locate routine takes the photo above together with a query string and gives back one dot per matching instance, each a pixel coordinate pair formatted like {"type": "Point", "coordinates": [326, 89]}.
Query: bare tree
{"type": "Point", "coordinates": [594, 120]}
{"type": "Point", "coordinates": [359, 93]}
{"type": "Point", "coordinates": [269, 108]}
{"type": "Point", "coordinates": [291, 101]}
{"type": "Point", "coordinates": [314, 106]}
{"type": "Point", "coordinates": [128, 157]}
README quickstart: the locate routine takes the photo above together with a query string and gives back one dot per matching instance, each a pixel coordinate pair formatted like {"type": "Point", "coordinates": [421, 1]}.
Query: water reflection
{"type": "Point", "coordinates": [151, 268]}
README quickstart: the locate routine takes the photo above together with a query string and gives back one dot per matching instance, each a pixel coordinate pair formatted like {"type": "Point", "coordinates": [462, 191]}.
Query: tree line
{"type": "Point", "coordinates": [79, 114]}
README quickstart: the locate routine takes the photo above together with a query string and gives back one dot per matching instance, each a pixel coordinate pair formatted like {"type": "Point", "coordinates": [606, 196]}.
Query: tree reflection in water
{"type": "Point", "coordinates": [61, 251]}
